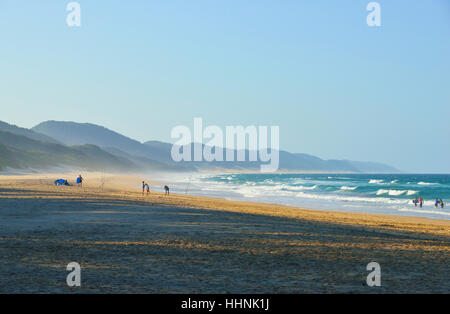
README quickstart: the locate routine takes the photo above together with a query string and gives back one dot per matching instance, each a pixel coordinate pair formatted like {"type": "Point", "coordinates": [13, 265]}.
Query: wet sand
{"type": "Point", "coordinates": [129, 243]}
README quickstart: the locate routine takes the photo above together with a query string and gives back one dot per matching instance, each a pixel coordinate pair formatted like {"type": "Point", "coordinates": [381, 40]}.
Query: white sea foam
{"type": "Point", "coordinates": [295, 188]}
{"type": "Point", "coordinates": [299, 191]}
{"type": "Point", "coordinates": [424, 211]}
{"type": "Point", "coordinates": [348, 188]}
{"type": "Point", "coordinates": [392, 192]}
{"type": "Point", "coordinates": [299, 181]}
{"type": "Point", "coordinates": [308, 187]}
{"type": "Point", "coordinates": [356, 199]}
{"type": "Point", "coordinates": [397, 192]}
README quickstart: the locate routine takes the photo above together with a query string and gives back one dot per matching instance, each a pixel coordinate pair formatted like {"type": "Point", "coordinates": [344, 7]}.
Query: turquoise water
{"type": "Point", "coordinates": [374, 193]}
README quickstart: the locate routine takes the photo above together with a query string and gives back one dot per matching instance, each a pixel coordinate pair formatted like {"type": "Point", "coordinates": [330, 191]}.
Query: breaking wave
{"type": "Point", "coordinates": [395, 192]}
{"type": "Point", "coordinates": [426, 183]}
{"type": "Point", "coordinates": [363, 193]}
{"type": "Point", "coordinates": [348, 188]}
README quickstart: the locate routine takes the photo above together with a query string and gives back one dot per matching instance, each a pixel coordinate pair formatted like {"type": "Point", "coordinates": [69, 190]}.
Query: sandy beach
{"type": "Point", "coordinates": [129, 243]}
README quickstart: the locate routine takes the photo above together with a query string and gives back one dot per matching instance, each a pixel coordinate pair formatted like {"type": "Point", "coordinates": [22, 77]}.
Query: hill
{"type": "Point", "coordinates": [288, 162]}
{"type": "Point", "coordinates": [6, 127]}
{"type": "Point", "coordinates": [71, 133]}
{"type": "Point", "coordinates": [17, 151]}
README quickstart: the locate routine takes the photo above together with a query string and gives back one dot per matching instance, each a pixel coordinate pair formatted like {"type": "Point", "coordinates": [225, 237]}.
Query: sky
{"type": "Point", "coordinates": [336, 87]}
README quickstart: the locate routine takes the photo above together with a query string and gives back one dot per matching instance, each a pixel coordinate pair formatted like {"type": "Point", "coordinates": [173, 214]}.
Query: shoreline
{"type": "Point", "coordinates": [329, 194]}
{"type": "Point", "coordinates": [221, 203]}
{"type": "Point", "coordinates": [129, 243]}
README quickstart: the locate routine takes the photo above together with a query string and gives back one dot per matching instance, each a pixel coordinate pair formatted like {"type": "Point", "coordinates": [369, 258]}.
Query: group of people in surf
{"type": "Point", "coordinates": [439, 202]}
{"type": "Point", "coordinates": [146, 188]}
{"type": "Point", "coordinates": [419, 201]}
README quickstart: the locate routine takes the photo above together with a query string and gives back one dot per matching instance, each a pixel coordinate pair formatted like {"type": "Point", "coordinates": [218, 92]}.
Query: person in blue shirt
{"type": "Point", "coordinates": [80, 181]}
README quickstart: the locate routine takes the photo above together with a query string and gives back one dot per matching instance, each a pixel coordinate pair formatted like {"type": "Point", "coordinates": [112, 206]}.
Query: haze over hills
{"type": "Point", "coordinates": [72, 133]}
{"type": "Point", "coordinates": [37, 151]}
{"type": "Point", "coordinates": [18, 152]}
{"type": "Point", "coordinates": [93, 147]}
{"type": "Point", "coordinates": [26, 132]}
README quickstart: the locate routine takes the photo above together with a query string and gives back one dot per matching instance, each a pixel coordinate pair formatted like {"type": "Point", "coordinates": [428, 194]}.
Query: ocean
{"type": "Point", "coordinates": [366, 193]}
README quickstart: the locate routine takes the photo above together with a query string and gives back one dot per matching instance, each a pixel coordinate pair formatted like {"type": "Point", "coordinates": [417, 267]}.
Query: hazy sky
{"type": "Point", "coordinates": [336, 87]}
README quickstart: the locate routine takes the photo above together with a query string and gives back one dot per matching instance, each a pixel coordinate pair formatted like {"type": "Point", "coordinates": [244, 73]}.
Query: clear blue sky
{"type": "Point", "coordinates": [336, 87]}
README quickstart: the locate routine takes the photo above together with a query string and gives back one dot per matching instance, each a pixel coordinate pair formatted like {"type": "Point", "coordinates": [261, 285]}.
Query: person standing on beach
{"type": "Point", "coordinates": [80, 181]}
{"type": "Point", "coordinates": [143, 187]}
{"type": "Point", "coordinates": [415, 201]}
{"type": "Point", "coordinates": [166, 189]}
{"type": "Point", "coordinates": [420, 201]}
{"type": "Point", "coordinates": [148, 188]}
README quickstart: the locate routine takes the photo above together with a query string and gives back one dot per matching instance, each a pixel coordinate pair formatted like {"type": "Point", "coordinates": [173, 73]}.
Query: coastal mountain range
{"type": "Point", "coordinates": [53, 144]}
